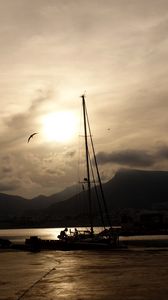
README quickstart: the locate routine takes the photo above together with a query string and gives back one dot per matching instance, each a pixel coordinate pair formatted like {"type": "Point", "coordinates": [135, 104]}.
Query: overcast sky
{"type": "Point", "coordinates": [51, 51]}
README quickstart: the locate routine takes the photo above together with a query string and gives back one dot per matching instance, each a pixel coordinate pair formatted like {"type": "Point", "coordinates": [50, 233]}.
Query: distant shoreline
{"type": "Point", "coordinates": [125, 233]}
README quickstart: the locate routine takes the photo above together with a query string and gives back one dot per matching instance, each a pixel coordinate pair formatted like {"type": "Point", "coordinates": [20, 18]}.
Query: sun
{"type": "Point", "coordinates": [60, 126]}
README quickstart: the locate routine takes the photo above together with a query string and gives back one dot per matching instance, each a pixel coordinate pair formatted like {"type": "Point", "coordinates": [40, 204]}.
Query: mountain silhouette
{"type": "Point", "coordinates": [135, 189]}
{"type": "Point", "coordinates": [16, 205]}
{"type": "Point", "coordinates": [127, 189]}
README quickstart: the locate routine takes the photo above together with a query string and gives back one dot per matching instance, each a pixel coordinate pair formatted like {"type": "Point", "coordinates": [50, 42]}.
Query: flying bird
{"type": "Point", "coordinates": [31, 136]}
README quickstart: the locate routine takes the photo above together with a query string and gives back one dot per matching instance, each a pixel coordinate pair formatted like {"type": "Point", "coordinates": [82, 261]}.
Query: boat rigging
{"type": "Point", "coordinates": [87, 239]}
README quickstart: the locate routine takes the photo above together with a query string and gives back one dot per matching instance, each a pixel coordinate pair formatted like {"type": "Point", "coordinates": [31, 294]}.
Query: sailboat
{"type": "Point", "coordinates": [76, 239]}
{"type": "Point", "coordinates": [109, 236]}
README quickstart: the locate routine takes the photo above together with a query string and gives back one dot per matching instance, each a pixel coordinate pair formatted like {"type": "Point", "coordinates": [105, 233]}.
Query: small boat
{"type": "Point", "coordinates": [76, 239]}
{"type": "Point", "coordinates": [88, 239]}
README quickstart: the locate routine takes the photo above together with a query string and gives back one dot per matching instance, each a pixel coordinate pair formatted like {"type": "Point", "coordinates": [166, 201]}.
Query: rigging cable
{"type": "Point", "coordinates": [97, 194]}
{"type": "Point", "coordinates": [98, 174]}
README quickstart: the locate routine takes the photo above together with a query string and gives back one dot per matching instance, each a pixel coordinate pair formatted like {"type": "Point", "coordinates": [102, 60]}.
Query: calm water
{"type": "Point", "coordinates": [133, 274]}
{"type": "Point", "coordinates": [19, 235]}
{"type": "Point", "coordinates": [84, 275]}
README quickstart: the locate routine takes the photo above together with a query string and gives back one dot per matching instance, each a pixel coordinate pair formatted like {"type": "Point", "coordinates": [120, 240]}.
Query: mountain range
{"type": "Point", "coordinates": [16, 205]}
{"type": "Point", "coordinates": [136, 189]}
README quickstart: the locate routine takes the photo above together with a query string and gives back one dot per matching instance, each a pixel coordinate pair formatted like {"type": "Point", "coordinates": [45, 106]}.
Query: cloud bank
{"type": "Point", "coordinates": [51, 52]}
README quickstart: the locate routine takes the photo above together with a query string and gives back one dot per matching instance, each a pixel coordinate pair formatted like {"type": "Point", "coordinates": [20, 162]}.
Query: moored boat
{"type": "Point", "coordinates": [86, 239]}
{"type": "Point", "coordinates": [109, 237]}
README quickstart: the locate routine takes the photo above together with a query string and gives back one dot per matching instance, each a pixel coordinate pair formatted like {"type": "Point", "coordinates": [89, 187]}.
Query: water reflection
{"type": "Point", "coordinates": [19, 235]}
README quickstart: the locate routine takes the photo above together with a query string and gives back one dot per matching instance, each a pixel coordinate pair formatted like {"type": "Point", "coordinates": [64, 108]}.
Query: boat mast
{"type": "Point", "coordinates": [87, 162]}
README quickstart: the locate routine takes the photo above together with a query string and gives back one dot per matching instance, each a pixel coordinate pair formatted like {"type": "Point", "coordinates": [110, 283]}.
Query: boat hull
{"type": "Point", "coordinates": [35, 244]}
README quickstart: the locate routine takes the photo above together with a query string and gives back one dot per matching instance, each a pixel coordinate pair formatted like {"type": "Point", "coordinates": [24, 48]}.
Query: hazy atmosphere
{"type": "Point", "coordinates": [52, 52]}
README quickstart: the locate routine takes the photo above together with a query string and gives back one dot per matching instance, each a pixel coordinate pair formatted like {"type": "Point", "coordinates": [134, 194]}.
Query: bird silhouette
{"type": "Point", "coordinates": [31, 136]}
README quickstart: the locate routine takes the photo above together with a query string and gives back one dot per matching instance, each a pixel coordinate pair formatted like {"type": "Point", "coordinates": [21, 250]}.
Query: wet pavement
{"type": "Point", "coordinates": [129, 274]}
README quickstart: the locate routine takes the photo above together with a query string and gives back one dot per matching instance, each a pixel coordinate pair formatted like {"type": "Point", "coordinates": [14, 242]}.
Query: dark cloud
{"type": "Point", "coordinates": [6, 158]}
{"type": "Point", "coordinates": [27, 118]}
{"type": "Point", "coordinates": [162, 153]}
{"type": "Point", "coordinates": [6, 186]}
{"type": "Point", "coordinates": [134, 158]}
{"type": "Point", "coordinates": [127, 42]}
{"type": "Point", "coordinates": [71, 153]}
{"type": "Point", "coordinates": [138, 158]}
{"type": "Point", "coordinates": [20, 125]}
{"type": "Point", "coordinates": [52, 172]}
{"type": "Point", "coordinates": [7, 169]}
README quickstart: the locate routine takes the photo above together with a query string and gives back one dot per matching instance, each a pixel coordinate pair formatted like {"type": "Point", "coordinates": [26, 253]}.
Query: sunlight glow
{"type": "Point", "coordinates": [60, 126]}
